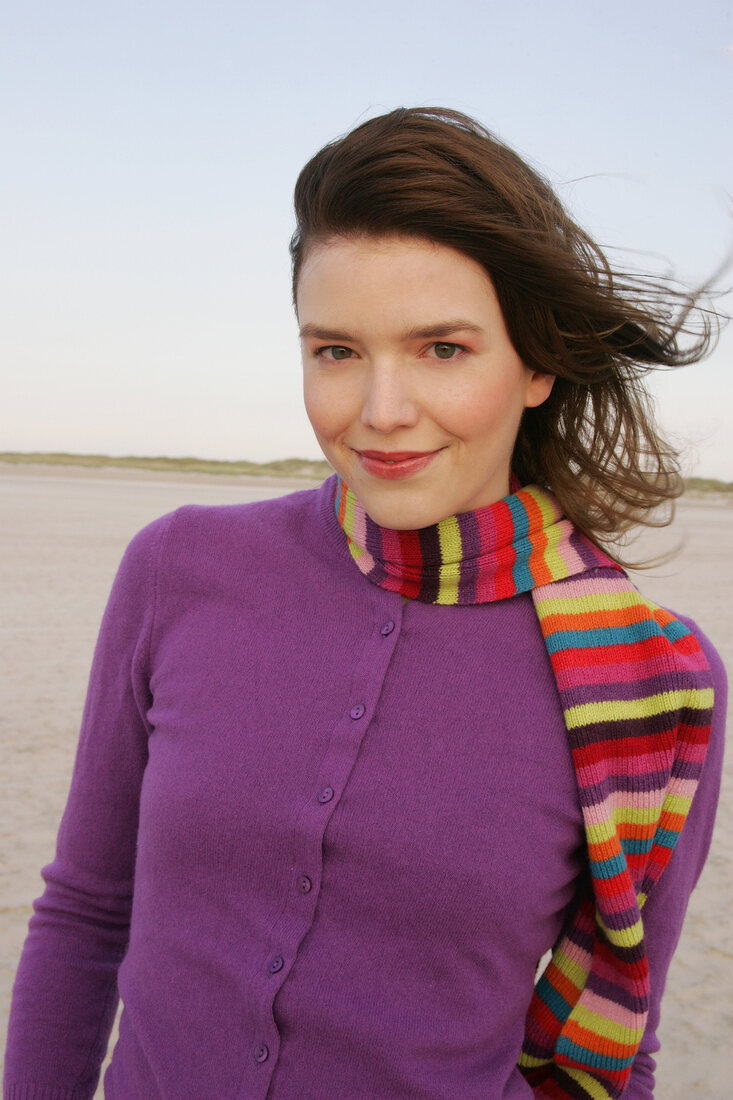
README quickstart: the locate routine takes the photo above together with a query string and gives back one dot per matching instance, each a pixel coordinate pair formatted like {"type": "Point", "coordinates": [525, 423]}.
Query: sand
{"type": "Point", "coordinates": [62, 534]}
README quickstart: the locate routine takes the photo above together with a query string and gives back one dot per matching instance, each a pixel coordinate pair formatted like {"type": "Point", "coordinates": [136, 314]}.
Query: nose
{"type": "Point", "coordinates": [388, 403]}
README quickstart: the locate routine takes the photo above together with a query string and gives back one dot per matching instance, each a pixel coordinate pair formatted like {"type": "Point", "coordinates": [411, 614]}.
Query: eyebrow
{"type": "Point", "coordinates": [429, 332]}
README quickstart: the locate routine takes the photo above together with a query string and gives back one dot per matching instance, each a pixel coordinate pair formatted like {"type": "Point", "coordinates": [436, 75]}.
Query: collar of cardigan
{"type": "Point", "coordinates": [488, 554]}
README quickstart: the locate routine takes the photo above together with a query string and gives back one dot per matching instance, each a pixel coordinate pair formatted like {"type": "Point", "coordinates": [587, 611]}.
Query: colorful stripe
{"type": "Point", "coordinates": [637, 699]}
{"type": "Point", "coordinates": [637, 696]}
{"type": "Point", "coordinates": [490, 554]}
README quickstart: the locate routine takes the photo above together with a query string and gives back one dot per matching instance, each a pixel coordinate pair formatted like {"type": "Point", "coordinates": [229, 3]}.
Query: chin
{"type": "Point", "coordinates": [398, 515]}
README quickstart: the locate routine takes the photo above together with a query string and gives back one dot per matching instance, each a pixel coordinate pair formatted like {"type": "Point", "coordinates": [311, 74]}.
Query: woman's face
{"type": "Point", "coordinates": [411, 382]}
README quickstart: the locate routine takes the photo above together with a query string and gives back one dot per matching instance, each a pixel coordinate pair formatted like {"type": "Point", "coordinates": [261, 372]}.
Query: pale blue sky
{"type": "Point", "coordinates": [150, 151]}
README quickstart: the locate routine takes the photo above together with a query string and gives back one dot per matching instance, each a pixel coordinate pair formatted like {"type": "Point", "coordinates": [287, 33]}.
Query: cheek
{"type": "Point", "coordinates": [490, 409]}
{"type": "Point", "coordinates": [324, 407]}
{"type": "Point", "coordinates": [314, 407]}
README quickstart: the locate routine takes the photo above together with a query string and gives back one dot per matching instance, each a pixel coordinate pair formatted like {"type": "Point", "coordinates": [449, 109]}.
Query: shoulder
{"type": "Point", "coordinates": [256, 552]}
{"type": "Point", "coordinates": [257, 520]}
{"type": "Point", "coordinates": [196, 528]}
{"type": "Point", "coordinates": [684, 626]}
{"type": "Point", "coordinates": [676, 627]}
{"type": "Point", "coordinates": [713, 766]}
{"type": "Point", "coordinates": [715, 661]}
{"type": "Point", "coordinates": [705, 803]}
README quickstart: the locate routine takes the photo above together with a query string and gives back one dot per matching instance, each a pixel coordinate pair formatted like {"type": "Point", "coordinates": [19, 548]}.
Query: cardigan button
{"type": "Point", "coordinates": [261, 1052]}
{"type": "Point", "coordinates": [304, 884]}
{"type": "Point", "coordinates": [326, 794]}
{"type": "Point", "coordinates": [358, 711]}
{"type": "Point", "coordinates": [386, 628]}
{"type": "Point", "coordinates": [276, 964]}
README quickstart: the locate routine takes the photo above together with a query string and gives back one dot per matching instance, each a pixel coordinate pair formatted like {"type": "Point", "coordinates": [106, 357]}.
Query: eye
{"type": "Point", "coordinates": [334, 351]}
{"type": "Point", "coordinates": [444, 350]}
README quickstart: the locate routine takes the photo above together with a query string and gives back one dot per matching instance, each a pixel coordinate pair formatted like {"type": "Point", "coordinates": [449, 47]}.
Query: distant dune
{"type": "Point", "coordinates": [708, 485]}
{"type": "Point", "coordinates": [281, 467]}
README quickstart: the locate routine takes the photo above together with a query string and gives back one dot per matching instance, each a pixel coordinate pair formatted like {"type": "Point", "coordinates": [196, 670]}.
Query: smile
{"type": "Point", "coordinates": [394, 465]}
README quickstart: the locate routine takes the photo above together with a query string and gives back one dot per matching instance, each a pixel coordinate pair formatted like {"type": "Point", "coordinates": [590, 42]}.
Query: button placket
{"type": "Point", "coordinates": [369, 671]}
{"type": "Point", "coordinates": [296, 918]}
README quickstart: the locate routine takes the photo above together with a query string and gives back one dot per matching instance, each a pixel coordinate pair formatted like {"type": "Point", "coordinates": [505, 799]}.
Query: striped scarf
{"type": "Point", "coordinates": [636, 694]}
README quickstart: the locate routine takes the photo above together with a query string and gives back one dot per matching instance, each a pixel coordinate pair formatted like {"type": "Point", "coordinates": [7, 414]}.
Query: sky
{"type": "Point", "coordinates": [150, 151]}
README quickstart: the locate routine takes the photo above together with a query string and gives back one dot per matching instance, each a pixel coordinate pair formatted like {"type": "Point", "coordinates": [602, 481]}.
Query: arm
{"type": "Point", "coordinates": [65, 992]}
{"type": "Point", "coordinates": [665, 911]}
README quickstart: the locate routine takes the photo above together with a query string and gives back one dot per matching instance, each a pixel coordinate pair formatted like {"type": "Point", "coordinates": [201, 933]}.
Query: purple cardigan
{"type": "Point", "coordinates": [351, 823]}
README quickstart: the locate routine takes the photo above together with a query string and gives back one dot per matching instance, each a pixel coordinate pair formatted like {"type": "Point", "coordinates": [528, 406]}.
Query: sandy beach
{"type": "Point", "coordinates": [63, 532]}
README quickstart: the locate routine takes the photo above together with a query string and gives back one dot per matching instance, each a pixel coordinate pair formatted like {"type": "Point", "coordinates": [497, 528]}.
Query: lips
{"type": "Point", "coordinates": [395, 465]}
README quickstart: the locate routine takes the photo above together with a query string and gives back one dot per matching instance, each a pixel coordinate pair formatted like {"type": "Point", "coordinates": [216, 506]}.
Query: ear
{"type": "Point", "coordinates": [538, 388]}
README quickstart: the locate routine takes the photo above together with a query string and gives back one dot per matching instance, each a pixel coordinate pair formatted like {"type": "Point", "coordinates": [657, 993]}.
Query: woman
{"type": "Point", "coordinates": [353, 760]}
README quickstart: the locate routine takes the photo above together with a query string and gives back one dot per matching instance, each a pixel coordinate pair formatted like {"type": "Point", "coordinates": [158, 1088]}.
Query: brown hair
{"type": "Point", "coordinates": [438, 174]}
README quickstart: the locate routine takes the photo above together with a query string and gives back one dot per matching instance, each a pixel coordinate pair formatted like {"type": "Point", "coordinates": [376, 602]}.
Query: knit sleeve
{"type": "Point", "coordinates": [65, 992]}
{"type": "Point", "coordinates": [664, 912]}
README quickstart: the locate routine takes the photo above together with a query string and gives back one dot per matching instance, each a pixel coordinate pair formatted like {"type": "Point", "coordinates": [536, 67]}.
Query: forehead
{"type": "Point", "coordinates": [343, 273]}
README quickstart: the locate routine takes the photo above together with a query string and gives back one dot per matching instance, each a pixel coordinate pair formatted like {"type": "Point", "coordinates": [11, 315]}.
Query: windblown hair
{"type": "Point", "coordinates": [436, 174]}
